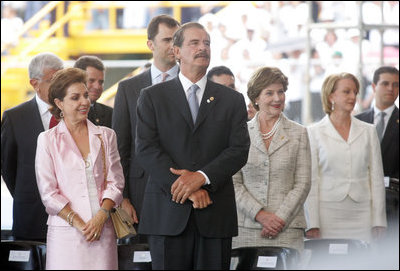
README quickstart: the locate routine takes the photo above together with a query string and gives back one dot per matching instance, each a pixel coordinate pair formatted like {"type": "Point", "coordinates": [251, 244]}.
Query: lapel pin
{"type": "Point", "coordinates": [210, 99]}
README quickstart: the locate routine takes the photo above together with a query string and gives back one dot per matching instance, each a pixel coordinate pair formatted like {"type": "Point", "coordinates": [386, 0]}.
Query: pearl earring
{"type": "Point", "coordinates": [333, 106]}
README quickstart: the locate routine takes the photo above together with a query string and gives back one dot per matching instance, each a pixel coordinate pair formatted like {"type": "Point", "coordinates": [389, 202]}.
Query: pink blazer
{"type": "Point", "coordinates": [60, 171]}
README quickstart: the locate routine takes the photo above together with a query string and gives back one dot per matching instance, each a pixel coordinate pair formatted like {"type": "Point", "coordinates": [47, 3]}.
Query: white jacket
{"type": "Point", "coordinates": [341, 168]}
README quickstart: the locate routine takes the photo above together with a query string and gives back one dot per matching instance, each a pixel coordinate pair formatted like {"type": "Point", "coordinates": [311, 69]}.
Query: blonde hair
{"type": "Point", "coordinates": [330, 85]}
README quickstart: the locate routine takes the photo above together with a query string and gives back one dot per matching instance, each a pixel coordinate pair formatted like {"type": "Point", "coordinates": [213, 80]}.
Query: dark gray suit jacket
{"type": "Point", "coordinates": [390, 141]}
{"type": "Point", "coordinates": [218, 144]}
{"type": "Point", "coordinates": [100, 114]}
{"type": "Point", "coordinates": [20, 127]}
{"type": "Point", "coordinates": [124, 124]}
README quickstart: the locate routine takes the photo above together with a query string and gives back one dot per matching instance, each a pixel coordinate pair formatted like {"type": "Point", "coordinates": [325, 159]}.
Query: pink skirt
{"type": "Point", "coordinates": [68, 249]}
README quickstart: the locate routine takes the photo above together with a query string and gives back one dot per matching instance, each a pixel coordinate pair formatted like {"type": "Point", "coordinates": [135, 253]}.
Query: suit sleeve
{"type": "Point", "coordinates": [234, 157]}
{"type": "Point", "coordinates": [302, 182]}
{"type": "Point", "coordinates": [8, 153]}
{"type": "Point", "coordinates": [115, 176]}
{"type": "Point", "coordinates": [312, 201]}
{"type": "Point", "coordinates": [148, 149]}
{"type": "Point", "coordinates": [377, 181]}
{"type": "Point", "coordinates": [46, 178]}
{"type": "Point", "coordinates": [245, 201]}
{"type": "Point", "coordinates": [121, 124]}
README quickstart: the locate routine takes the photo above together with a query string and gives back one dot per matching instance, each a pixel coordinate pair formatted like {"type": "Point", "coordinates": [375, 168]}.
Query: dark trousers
{"type": "Point", "coordinates": [190, 250]}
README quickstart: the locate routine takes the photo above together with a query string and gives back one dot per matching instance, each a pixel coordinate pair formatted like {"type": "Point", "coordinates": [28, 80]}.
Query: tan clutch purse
{"type": "Point", "coordinates": [123, 223]}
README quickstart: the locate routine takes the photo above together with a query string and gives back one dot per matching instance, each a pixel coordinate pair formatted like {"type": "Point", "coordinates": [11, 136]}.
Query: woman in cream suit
{"type": "Point", "coordinates": [347, 197]}
{"type": "Point", "coordinates": [272, 187]}
{"type": "Point", "coordinates": [69, 170]}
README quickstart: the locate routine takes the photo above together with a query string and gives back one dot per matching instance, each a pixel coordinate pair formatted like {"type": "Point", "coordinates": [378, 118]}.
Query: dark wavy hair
{"type": "Point", "coordinates": [60, 82]}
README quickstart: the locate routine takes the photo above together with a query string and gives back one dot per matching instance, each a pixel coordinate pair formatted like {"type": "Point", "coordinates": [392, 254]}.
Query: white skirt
{"type": "Point", "coordinates": [346, 219]}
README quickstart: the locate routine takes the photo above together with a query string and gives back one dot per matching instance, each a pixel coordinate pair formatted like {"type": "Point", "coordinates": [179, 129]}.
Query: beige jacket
{"type": "Point", "coordinates": [277, 180]}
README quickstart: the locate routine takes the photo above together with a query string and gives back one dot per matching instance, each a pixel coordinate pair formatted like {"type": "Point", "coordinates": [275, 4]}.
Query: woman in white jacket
{"type": "Point", "coordinates": [347, 197]}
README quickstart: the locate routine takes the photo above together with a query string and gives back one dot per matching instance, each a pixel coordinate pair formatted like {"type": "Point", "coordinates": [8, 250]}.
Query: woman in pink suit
{"type": "Point", "coordinates": [69, 170]}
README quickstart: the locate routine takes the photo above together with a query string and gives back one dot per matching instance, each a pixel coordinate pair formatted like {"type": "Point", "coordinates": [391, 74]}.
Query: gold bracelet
{"type": "Point", "coordinates": [69, 214]}
{"type": "Point", "coordinates": [72, 219]}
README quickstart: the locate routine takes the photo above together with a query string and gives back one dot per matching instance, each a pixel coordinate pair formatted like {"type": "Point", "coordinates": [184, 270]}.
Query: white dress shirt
{"type": "Point", "coordinates": [186, 84]}
{"type": "Point", "coordinates": [45, 114]}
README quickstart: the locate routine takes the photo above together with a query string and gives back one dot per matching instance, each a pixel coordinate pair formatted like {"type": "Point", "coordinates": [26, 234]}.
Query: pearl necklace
{"type": "Point", "coordinates": [273, 130]}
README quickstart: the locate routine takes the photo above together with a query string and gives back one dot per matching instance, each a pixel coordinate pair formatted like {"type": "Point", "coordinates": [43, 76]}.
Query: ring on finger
{"type": "Point", "coordinates": [95, 235]}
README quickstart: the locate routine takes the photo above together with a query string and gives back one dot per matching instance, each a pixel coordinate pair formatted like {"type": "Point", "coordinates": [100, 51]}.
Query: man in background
{"type": "Point", "coordinates": [20, 127]}
{"type": "Point", "coordinates": [385, 85]}
{"type": "Point", "coordinates": [99, 114]}
{"type": "Point", "coordinates": [159, 33]}
{"type": "Point", "coordinates": [385, 116]}
{"type": "Point", "coordinates": [222, 75]}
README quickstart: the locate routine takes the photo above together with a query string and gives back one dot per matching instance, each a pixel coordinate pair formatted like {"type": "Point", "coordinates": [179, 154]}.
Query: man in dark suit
{"type": "Point", "coordinates": [20, 128]}
{"type": "Point", "coordinates": [159, 34]}
{"type": "Point", "coordinates": [222, 75]}
{"type": "Point", "coordinates": [191, 138]}
{"type": "Point", "coordinates": [386, 88]}
{"type": "Point", "coordinates": [385, 85]}
{"type": "Point", "coordinates": [99, 114]}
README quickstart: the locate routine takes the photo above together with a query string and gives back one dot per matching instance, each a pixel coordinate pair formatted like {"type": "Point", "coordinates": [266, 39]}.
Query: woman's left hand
{"type": "Point", "coordinates": [93, 228]}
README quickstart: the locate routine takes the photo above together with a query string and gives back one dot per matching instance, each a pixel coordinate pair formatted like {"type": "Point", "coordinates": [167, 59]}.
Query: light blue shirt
{"type": "Point", "coordinates": [156, 74]}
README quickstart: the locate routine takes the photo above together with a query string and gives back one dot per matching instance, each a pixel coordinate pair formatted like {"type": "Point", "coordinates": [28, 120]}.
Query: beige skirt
{"type": "Point", "coordinates": [249, 237]}
{"type": "Point", "coordinates": [345, 219]}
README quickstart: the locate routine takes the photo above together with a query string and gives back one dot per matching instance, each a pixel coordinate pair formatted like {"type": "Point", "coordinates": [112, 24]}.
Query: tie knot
{"type": "Point", "coordinates": [53, 122]}
{"type": "Point", "coordinates": [383, 114]}
{"type": "Point", "coordinates": [164, 76]}
{"type": "Point", "coordinates": [193, 89]}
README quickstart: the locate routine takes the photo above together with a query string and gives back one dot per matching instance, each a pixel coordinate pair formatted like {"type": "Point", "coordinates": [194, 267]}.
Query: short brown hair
{"type": "Point", "coordinates": [330, 85]}
{"type": "Point", "coordinates": [89, 61]}
{"type": "Point", "coordinates": [61, 80]}
{"type": "Point", "coordinates": [152, 29]}
{"type": "Point", "coordinates": [384, 69]}
{"type": "Point", "coordinates": [262, 78]}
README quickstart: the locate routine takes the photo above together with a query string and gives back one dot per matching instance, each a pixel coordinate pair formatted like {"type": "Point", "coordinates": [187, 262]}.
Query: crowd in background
{"type": "Point", "coordinates": [198, 166]}
{"type": "Point", "coordinates": [246, 36]}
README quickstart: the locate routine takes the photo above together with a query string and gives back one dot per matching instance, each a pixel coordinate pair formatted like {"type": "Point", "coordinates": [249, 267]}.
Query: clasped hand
{"type": "Point", "coordinates": [188, 186]}
{"type": "Point", "coordinates": [272, 224]}
{"type": "Point", "coordinates": [93, 228]}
